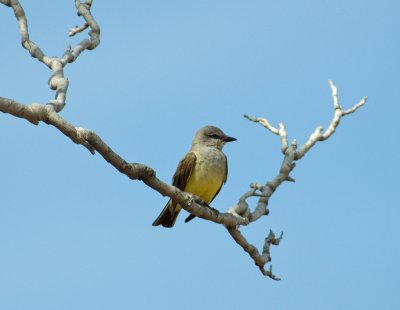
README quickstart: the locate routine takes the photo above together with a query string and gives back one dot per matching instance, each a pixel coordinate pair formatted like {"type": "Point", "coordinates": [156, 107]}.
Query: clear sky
{"type": "Point", "coordinates": [76, 234]}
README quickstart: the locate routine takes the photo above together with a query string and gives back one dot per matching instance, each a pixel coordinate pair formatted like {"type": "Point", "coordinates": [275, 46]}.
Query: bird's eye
{"type": "Point", "coordinates": [215, 136]}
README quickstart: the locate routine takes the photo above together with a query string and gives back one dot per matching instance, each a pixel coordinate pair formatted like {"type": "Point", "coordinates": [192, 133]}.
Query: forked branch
{"type": "Point", "coordinates": [57, 81]}
{"type": "Point", "coordinates": [240, 214]}
{"type": "Point", "coordinates": [291, 154]}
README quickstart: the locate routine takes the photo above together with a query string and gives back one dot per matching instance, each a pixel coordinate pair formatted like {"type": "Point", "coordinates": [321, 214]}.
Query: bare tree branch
{"type": "Point", "coordinates": [281, 132]}
{"type": "Point", "coordinates": [290, 155]}
{"type": "Point", "coordinates": [240, 214]}
{"type": "Point", "coordinates": [318, 134]}
{"type": "Point", "coordinates": [77, 29]}
{"type": "Point", "coordinates": [94, 34]}
{"type": "Point", "coordinates": [259, 259]}
{"type": "Point", "coordinates": [57, 81]}
{"type": "Point", "coordinates": [6, 2]}
{"type": "Point", "coordinates": [36, 113]}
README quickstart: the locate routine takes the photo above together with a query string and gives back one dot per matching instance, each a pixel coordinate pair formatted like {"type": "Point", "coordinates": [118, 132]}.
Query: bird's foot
{"type": "Point", "coordinates": [212, 209]}
{"type": "Point", "coordinates": [203, 203]}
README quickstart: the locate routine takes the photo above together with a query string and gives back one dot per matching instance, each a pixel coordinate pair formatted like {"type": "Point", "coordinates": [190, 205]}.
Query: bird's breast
{"type": "Point", "coordinates": [208, 175]}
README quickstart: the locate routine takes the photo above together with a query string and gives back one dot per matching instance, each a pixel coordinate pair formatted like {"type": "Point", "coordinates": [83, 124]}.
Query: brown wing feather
{"type": "Point", "coordinates": [169, 214]}
{"type": "Point", "coordinates": [185, 168]}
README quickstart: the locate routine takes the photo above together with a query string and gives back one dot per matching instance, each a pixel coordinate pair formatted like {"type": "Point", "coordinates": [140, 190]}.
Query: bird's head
{"type": "Point", "coordinates": [211, 136]}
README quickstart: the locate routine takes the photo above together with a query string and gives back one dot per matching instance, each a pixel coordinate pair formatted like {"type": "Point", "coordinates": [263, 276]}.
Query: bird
{"type": "Point", "coordinates": [202, 172]}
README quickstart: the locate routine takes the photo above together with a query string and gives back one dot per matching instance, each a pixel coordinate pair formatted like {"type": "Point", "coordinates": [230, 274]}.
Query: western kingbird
{"type": "Point", "coordinates": [202, 172]}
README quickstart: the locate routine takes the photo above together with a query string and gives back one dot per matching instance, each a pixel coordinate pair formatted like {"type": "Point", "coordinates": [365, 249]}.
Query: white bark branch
{"type": "Point", "coordinates": [57, 81]}
{"type": "Point", "coordinates": [94, 34]}
{"type": "Point", "coordinates": [239, 214]}
{"type": "Point", "coordinates": [290, 156]}
{"type": "Point", "coordinates": [36, 113]}
{"type": "Point", "coordinates": [318, 134]}
{"type": "Point", "coordinates": [281, 132]}
{"type": "Point", "coordinates": [259, 259]}
{"type": "Point", "coordinates": [6, 2]}
{"type": "Point", "coordinates": [77, 29]}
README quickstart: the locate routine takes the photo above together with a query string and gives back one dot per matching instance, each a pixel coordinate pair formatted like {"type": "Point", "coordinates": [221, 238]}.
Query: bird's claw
{"type": "Point", "coordinates": [213, 209]}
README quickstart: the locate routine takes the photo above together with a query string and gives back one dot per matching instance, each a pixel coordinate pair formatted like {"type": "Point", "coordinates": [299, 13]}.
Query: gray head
{"type": "Point", "coordinates": [211, 136]}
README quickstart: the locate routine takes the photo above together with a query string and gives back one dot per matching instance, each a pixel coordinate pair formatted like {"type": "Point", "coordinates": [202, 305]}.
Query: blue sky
{"type": "Point", "coordinates": [76, 234]}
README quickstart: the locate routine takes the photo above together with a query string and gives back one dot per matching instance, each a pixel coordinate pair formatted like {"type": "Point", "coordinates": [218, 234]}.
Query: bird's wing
{"type": "Point", "coordinates": [185, 168]}
{"type": "Point", "coordinates": [170, 212]}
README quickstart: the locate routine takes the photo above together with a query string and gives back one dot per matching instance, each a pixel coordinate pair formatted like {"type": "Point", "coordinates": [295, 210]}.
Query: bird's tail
{"type": "Point", "coordinates": [168, 215]}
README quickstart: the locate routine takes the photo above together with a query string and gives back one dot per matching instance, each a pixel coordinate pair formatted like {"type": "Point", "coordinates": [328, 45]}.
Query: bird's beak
{"type": "Point", "coordinates": [229, 139]}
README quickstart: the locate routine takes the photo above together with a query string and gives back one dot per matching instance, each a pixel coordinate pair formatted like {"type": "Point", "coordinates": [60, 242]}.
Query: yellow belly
{"type": "Point", "coordinates": [206, 181]}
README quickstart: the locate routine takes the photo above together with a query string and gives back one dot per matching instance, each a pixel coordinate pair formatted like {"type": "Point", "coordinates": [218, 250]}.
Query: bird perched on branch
{"type": "Point", "coordinates": [201, 172]}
